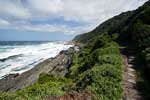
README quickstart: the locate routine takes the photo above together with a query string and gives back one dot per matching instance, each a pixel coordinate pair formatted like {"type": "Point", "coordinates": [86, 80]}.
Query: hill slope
{"type": "Point", "coordinates": [126, 25]}
{"type": "Point", "coordinates": [131, 29]}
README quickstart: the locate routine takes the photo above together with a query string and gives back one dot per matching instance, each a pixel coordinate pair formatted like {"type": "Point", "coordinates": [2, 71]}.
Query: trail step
{"type": "Point", "coordinates": [131, 69]}
{"type": "Point", "coordinates": [130, 65]}
{"type": "Point", "coordinates": [131, 74]}
{"type": "Point", "coordinates": [132, 81]}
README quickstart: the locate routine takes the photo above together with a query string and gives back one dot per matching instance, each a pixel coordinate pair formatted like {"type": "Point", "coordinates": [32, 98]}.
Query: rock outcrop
{"type": "Point", "coordinates": [55, 66]}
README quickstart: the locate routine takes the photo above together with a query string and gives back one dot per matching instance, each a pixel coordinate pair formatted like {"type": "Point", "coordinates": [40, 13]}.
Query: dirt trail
{"type": "Point", "coordinates": [130, 91]}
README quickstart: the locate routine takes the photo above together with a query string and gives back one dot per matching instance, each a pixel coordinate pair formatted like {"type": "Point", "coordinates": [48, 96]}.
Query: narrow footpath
{"type": "Point", "coordinates": [130, 91]}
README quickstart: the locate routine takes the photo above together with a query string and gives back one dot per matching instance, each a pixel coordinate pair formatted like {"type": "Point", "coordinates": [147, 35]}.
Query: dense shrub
{"type": "Point", "coordinates": [102, 83]}
{"type": "Point", "coordinates": [146, 54]}
{"type": "Point", "coordinates": [109, 59]}
{"type": "Point", "coordinates": [99, 70]}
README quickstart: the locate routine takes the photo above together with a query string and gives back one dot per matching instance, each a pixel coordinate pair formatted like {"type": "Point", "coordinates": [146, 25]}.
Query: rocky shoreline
{"type": "Point", "coordinates": [55, 66]}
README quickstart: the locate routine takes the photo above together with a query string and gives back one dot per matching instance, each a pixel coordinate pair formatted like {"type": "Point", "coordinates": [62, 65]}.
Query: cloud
{"type": "Point", "coordinates": [13, 10]}
{"type": "Point", "coordinates": [45, 28]}
{"type": "Point", "coordinates": [87, 11]}
{"type": "Point", "coordinates": [46, 6]}
{"type": "Point", "coordinates": [19, 14]}
{"type": "Point", "coordinates": [4, 22]}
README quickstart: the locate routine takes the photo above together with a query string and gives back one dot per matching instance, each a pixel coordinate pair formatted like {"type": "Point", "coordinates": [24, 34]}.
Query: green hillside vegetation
{"type": "Point", "coordinates": [111, 26]}
{"type": "Point", "coordinates": [98, 69]}
{"type": "Point", "coordinates": [126, 25]}
{"type": "Point", "coordinates": [132, 30]}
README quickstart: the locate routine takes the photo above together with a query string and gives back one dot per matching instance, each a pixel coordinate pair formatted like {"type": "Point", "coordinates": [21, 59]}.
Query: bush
{"type": "Point", "coordinates": [103, 81]}
{"type": "Point", "coordinates": [146, 54]}
{"type": "Point", "coordinates": [46, 86]}
{"type": "Point", "coordinates": [109, 59]}
{"type": "Point", "coordinates": [98, 69]}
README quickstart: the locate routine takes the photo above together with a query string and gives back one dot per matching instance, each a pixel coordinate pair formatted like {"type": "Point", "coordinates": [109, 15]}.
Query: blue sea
{"type": "Point", "coordinates": [21, 56]}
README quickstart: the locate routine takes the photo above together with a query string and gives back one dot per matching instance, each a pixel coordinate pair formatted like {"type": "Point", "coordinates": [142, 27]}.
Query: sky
{"type": "Point", "coordinates": [42, 20]}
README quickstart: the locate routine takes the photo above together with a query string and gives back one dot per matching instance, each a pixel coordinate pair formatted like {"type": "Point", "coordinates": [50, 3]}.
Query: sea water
{"type": "Point", "coordinates": [18, 57]}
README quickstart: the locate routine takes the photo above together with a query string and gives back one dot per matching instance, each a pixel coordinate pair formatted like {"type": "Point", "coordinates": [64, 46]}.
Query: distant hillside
{"type": "Point", "coordinates": [109, 26]}
{"type": "Point", "coordinates": [132, 25]}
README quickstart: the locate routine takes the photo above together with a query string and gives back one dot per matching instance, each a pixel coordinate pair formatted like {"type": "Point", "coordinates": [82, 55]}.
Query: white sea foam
{"type": "Point", "coordinates": [28, 56]}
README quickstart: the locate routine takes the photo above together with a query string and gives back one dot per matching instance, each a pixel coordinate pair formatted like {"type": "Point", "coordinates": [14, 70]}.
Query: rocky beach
{"type": "Point", "coordinates": [54, 66]}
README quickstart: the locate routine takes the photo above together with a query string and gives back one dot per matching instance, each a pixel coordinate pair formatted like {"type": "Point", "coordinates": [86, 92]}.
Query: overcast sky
{"type": "Point", "coordinates": [56, 19]}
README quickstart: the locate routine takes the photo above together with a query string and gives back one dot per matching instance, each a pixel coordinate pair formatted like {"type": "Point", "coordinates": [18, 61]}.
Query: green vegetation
{"type": "Point", "coordinates": [46, 86]}
{"type": "Point", "coordinates": [143, 81]}
{"type": "Point", "coordinates": [98, 69]}
{"type": "Point", "coordinates": [103, 81]}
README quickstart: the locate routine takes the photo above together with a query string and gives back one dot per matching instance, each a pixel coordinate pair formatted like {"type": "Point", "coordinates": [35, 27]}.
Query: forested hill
{"type": "Point", "coordinates": [129, 28]}
{"type": "Point", "coordinates": [132, 25]}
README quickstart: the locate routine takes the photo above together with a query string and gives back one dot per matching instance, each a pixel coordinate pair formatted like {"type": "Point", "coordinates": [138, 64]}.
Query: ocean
{"type": "Point", "coordinates": [21, 56]}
